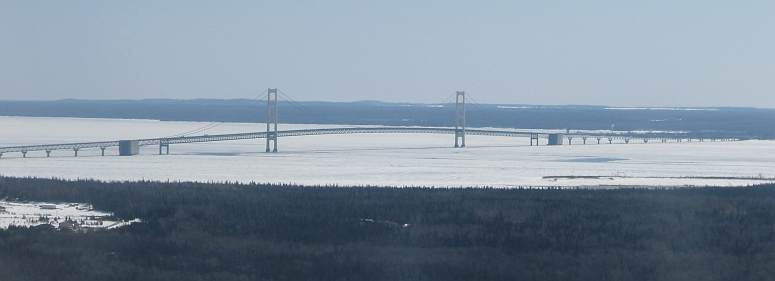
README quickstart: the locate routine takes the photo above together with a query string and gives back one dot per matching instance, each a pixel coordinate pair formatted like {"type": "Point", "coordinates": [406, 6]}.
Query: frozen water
{"type": "Point", "coordinates": [379, 159]}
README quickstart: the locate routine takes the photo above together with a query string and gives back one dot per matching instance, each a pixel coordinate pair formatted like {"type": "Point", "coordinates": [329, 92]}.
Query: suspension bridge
{"type": "Point", "coordinates": [272, 134]}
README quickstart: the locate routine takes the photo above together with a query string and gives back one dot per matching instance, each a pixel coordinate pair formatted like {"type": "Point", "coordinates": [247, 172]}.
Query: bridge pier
{"type": "Point", "coordinates": [460, 119]}
{"type": "Point", "coordinates": [48, 153]}
{"type": "Point", "coordinates": [24, 154]}
{"type": "Point", "coordinates": [645, 140]}
{"type": "Point", "coordinates": [555, 139]}
{"type": "Point", "coordinates": [164, 146]}
{"type": "Point", "coordinates": [534, 137]}
{"type": "Point", "coordinates": [102, 149]}
{"type": "Point", "coordinates": [271, 137]}
{"type": "Point", "coordinates": [128, 147]}
{"type": "Point", "coordinates": [461, 136]}
{"type": "Point", "coordinates": [570, 140]}
{"type": "Point", "coordinates": [584, 139]}
{"type": "Point", "coordinates": [75, 152]}
{"type": "Point", "coordinates": [598, 140]}
{"type": "Point", "coordinates": [627, 141]}
{"type": "Point", "coordinates": [610, 141]}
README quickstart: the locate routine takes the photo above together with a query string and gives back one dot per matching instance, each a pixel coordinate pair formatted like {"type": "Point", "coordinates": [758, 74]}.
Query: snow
{"type": "Point", "coordinates": [28, 214]}
{"type": "Point", "coordinates": [378, 159]}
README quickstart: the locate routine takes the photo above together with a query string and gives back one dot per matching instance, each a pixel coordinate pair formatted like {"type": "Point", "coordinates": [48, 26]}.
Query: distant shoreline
{"type": "Point", "coordinates": [741, 122]}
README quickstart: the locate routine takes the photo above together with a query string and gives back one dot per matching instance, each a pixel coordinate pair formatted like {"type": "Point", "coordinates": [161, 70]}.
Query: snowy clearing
{"type": "Point", "coordinates": [74, 216]}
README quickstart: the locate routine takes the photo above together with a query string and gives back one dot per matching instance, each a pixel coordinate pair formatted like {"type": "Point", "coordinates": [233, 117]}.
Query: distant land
{"type": "Point", "coordinates": [717, 121]}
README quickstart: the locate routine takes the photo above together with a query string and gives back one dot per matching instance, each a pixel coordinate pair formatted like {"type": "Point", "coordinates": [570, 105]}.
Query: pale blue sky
{"type": "Point", "coordinates": [610, 52]}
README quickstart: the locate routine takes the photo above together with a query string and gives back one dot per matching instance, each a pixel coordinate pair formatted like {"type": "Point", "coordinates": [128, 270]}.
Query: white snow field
{"type": "Point", "coordinates": [378, 159]}
{"type": "Point", "coordinates": [38, 213]}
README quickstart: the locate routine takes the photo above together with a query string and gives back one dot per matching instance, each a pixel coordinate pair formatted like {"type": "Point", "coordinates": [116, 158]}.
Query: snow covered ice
{"type": "Point", "coordinates": [378, 159]}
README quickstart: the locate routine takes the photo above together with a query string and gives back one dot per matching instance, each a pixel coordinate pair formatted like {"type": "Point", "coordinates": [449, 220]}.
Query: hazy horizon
{"type": "Point", "coordinates": [370, 101]}
{"type": "Point", "coordinates": [603, 52]}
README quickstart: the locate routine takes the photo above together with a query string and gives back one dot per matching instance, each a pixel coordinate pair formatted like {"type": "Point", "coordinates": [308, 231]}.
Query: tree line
{"type": "Point", "coordinates": [229, 231]}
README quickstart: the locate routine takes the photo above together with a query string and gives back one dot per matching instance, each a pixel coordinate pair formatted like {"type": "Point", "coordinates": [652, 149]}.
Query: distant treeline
{"type": "Point", "coordinates": [198, 231]}
{"type": "Point", "coordinates": [719, 122]}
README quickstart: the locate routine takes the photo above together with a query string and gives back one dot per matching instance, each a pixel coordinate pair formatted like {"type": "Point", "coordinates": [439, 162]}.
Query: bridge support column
{"type": "Point", "coordinates": [24, 154]}
{"type": "Point", "coordinates": [570, 140]}
{"type": "Point", "coordinates": [627, 141]}
{"type": "Point", "coordinates": [164, 146]}
{"type": "Point", "coordinates": [598, 140]}
{"type": "Point", "coordinates": [48, 153]}
{"type": "Point", "coordinates": [584, 139]}
{"type": "Point", "coordinates": [102, 150]}
{"type": "Point", "coordinates": [460, 119]}
{"type": "Point", "coordinates": [75, 152]}
{"type": "Point", "coordinates": [128, 147]}
{"type": "Point", "coordinates": [534, 137]}
{"type": "Point", "coordinates": [271, 120]}
{"type": "Point", "coordinates": [610, 140]}
{"type": "Point", "coordinates": [460, 139]}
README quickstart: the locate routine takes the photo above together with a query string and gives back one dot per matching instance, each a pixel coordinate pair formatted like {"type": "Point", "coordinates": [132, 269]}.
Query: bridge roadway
{"type": "Point", "coordinates": [48, 148]}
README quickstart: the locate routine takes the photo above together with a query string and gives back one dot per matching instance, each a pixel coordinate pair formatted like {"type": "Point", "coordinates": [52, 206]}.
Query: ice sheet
{"type": "Point", "coordinates": [379, 159]}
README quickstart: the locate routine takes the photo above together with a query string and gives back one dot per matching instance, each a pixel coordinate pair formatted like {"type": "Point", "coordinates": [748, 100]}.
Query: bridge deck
{"type": "Point", "coordinates": [329, 131]}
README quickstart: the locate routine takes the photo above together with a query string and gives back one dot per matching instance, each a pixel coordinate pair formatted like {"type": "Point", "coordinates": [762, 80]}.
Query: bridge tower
{"type": "Point", "coordinates": [460, 119]}
{"type": "Point", "coordinates": [271, 120]}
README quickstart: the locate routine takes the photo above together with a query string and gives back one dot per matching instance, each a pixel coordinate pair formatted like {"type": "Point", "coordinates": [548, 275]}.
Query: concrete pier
{"type": "Point", "coordinates": [555, 139]}
{"type": "Point", "coordinates": [162, 147]}
{"type": "Point", "coordinates": [460, 119]}
{"type": "Point", "coordinates": [128, 147]}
